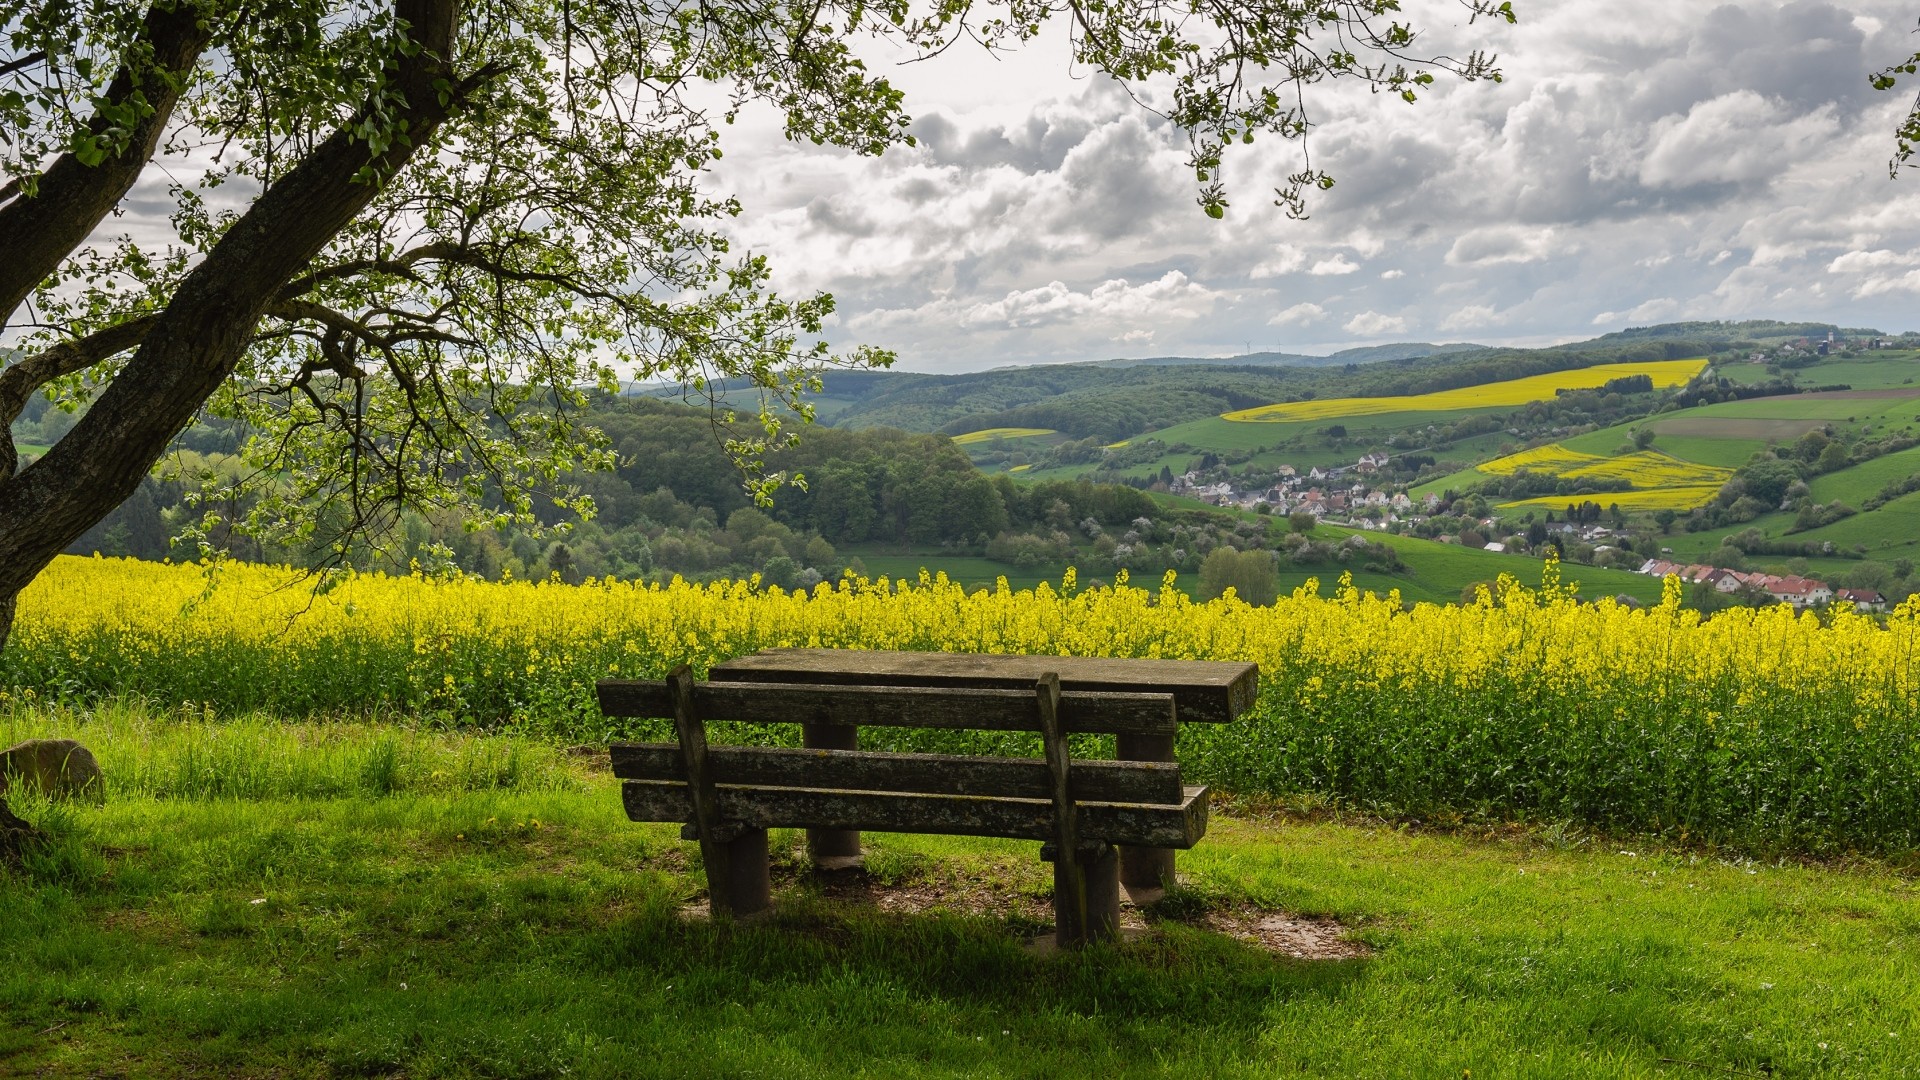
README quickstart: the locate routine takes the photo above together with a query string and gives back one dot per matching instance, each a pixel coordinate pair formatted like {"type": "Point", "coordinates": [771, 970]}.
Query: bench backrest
{"type": "Point", "coordinates": [1081, 711]}
{"type": "Point", "coordinates": [926, 774]}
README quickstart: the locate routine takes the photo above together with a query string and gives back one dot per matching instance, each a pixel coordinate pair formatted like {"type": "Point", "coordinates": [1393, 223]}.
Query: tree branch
{"type": "Point", "coordinates": [19, 381]}
{"type": "Point", "coordinates": [70, 198]}
{"type": "Point", "coordinates": [21, 63]}
{"type": "Point", "coordinates": [213, 315]}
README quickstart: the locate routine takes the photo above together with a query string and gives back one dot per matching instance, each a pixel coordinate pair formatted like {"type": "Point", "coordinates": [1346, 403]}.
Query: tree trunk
{"type": "Point", "coordinates": [195, 343]}
{"type": "Point", "coordinates": [39, 232]}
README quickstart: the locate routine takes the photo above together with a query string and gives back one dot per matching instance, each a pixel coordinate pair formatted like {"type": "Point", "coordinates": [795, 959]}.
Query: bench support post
{"type": "Point", "coordinates": [1098, 871]}
{"type": "Point", "coordinates": [741, 884]}
{"type": "Point", "coordinates": [1086, 882]}
{"type": "Point", "coordinates": [738, 880]}
{"type": "Point", "coordinates": [1146, 872]}
{"type": "Point", "coordinates": [833, 850]}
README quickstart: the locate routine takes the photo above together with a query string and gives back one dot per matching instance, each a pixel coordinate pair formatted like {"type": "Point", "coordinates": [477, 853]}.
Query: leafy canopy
{"type": "Point", "coordinates": [554, 235]}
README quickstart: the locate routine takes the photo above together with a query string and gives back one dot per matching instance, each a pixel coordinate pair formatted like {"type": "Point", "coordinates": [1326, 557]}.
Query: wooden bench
{"type": "Point", "coordinates": [729, 796]}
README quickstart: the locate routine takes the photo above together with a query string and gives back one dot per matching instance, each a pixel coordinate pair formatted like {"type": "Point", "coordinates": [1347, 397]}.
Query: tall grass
{"type": "Point", "coordinates": [1766, 730]}
{"type": "Point", "coordinates": [181, 753]}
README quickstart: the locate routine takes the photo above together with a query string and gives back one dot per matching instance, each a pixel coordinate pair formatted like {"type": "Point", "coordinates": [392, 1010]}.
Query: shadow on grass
{"type": "Point", "coordinates": [1173, 974]}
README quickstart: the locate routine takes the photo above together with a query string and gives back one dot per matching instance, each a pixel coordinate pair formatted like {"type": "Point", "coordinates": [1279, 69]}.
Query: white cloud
{"type": "Point", "coordinates": [1472, 316]}
{"type": "Point", "coordinates": [1854, 262]}
{"type": "Point", "coordinates": [1499, 244]}
{"type": "Point", "coordinates": [1172, 296]}
{"type": "Point", "coordinates": [1741, 137]}
{"type": "Point", "coordinates": [1286, 259]}
{"type": "Point", "coordinates": [1885, 284]}
{"type": "Point", "coordinates": [1653, 310]}
{"type": "Point", "coordinates": [1370, 324]}
{"type": "Point", "coordinates": [1299, 315]}
{"type": "Point", "coordinates": [1721, 160]}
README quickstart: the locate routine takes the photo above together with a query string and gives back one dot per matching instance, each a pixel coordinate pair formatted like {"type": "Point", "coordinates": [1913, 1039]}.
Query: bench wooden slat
{"type": "Point", "coordinates": [1179, 826]}
{"type": "Point", "coordinates": [930, 774]}
{"type": "Point", "coordinates": [1205, 691]}
{"type": "Point", "coordinates": [894, 706]}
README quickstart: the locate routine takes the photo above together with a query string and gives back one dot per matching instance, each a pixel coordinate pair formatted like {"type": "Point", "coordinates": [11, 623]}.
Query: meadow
{"type": "Point", "coordinates": [338, 898]}
{"type": "Point", "coordinates": [1665, 374]}
{"type": "Point", "coordinates": [992, 434]}
{"type": "Point", "coordinates": [1759, 730]}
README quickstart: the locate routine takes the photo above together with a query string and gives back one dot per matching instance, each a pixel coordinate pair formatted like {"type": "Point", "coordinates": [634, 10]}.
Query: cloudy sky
{"type": "Point", "coordinates": [1645, 161]}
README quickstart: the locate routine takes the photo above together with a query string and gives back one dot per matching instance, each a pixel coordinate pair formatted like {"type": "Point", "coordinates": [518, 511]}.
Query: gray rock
{"type": "Point", "coordinates": [56, 768]}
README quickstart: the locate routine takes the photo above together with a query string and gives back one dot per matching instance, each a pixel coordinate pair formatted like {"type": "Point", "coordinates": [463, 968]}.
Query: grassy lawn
{"type": "Point", "coordinates": [1856, 484]}
{"type": "Point", "coordinates": [324, 900]}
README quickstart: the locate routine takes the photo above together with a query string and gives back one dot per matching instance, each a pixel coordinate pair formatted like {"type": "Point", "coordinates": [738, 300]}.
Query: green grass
{"type": "Point", "coordinates": [1891, 532]}
{"type": "Point", "coordinates": [529, 930]}
{"type": "Point", "coordinates": [1819, 407]}
{"type": "Point", "coordinates": [1726, 453]}
{"type": "Point", "coordinates": [1878, 371]}
{"type": "Point", "coordinates": [1445, 570]}
{"type": "Point", "coordinates": [1858, 483]}
{"type": "Point", "coordinates": [969, 570]}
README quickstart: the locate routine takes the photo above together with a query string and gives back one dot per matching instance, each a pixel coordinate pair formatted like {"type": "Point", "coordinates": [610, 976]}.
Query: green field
{"type": "Point", "coordinates": [968, 570]}
{"type": "Point", "coordinates": [1891, 532]}
{"type": "Point", "coordinates": [1873, 371]}
{"type": "Point", "coordinates": [1218, 434]}
{"type": "Point", "coordinates": [355, 902]}
{"type": "Point", "coordinates": [1726, 453]}
{"type": "Point", "coordinates": [1856, 484]}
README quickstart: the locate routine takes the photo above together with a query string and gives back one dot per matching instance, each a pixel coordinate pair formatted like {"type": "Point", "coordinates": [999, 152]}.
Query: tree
{"type": "Point", "coordinates": [433, 225]}
{"type": "Point", "coordinates": [1249, 574]}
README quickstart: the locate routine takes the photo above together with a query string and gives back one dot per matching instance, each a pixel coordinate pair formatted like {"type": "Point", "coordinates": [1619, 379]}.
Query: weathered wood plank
{"type": "Point", "coordinates": [1204, 691]}
{"type": "Point", "coordinates": [833, 851]}
{"type": "Point", "coordinates": [1179, 826]}
{"type": "Point", "coordinates": [701, 800]}
{"type": "Point", "coordinates": [928, 774]}
{"type": "Point", "coordinates": [1069, 874]}
{"type": "Point", "coordinates": [894, 706]}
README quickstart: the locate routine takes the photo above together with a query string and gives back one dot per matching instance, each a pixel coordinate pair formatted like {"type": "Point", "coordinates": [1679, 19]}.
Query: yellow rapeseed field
{"type": "Point", "coordinates": [1665, 373]}
{"type": "Point", "coordinates": [1641, 468]}
{"type": "Point", "coordinates": [1551, 458]}
{"type": "Point", "coordinates": [1660, 481]}
{"type": "Point", "coordinates": [1530, 701]}
{"type": "Point", "coordinates": [990, 434]}
{"type": "Point", "coordinates": [1680, 497]}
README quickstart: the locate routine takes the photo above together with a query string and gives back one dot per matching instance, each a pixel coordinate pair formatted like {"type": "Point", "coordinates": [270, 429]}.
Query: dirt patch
{"type": "Point", "coordinates": [1737, 427]}
{"type": "Point", "coordinates": [1298, 936]}
{"type": "Point", "coordinates": [924, 895]}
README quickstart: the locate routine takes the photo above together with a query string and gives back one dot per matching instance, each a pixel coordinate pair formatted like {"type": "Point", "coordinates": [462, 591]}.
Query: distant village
{"type": "Point", "coordinates": [1801, 592]}
{"type": "Point", "coordinates": [1827, 346]}
{"type": "Point", "coordinates": [1333, 491]}
{"type": "Point", "coordinates": [1346, 495]}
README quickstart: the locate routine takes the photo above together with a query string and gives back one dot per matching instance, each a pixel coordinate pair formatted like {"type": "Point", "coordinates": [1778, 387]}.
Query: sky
{"type": "Point", "coordinates": [1644, 161]}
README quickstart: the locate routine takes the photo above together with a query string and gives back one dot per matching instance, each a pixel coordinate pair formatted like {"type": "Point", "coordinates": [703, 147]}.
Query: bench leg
{"type": "Point", "coordinates": [741, 884]}
{"type": "Point", "coordinates": [1143, 869]}
{"type": "Point", "coordinates": [833, 850]}
{"type": "Point", "coordinates": [1101, 873]}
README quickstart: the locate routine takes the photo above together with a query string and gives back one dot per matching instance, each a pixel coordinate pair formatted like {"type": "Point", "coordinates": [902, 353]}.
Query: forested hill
{"type": "Point", "coordinates": [1365, 354]}
{"type": "Point", "coordinates": [1117, 399]}
{"type": "Point", "coordinates": [1115, 403]}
